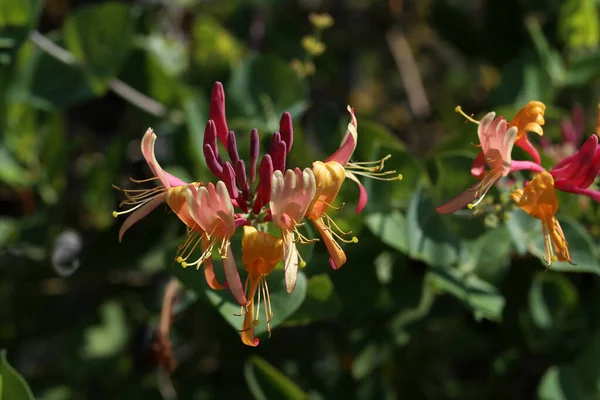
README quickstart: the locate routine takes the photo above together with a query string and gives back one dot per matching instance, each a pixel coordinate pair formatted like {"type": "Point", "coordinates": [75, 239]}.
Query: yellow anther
{"type": "Point", "coordinates": [470, 206]}
{"type": "Point", "coordinates": [184, 264]}
{"type": "Point", "coordinates": [400, 177]}
{"type": "Point", "coordinates": [302, 264]}
{"type": "Point", "coordinates": [179, 259]}
{"type": "Point", "coordinates": [115, 214]}
{"type": "Point", "coordinates": [255, 322]}
{"type": "Point", "coordinates": [354, 239]}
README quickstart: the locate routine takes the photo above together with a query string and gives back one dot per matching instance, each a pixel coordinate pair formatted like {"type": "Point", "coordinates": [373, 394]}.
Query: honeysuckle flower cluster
{"type": "Point", "coordinates": [247, 196]}
{"type": "Point", "coordinates": [574, 174]}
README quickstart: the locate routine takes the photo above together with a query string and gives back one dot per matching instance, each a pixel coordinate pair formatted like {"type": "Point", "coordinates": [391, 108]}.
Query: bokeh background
{"type": "Point", "coordinates": [427, 307]}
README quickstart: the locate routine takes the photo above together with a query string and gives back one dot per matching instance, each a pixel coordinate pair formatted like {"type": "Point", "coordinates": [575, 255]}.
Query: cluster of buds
{"type": "Point", "coordinates": [250, 196]}
{"type": "Point", "coordinates": [574, 174]}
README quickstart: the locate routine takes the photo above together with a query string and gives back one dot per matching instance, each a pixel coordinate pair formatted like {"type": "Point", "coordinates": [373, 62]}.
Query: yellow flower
{"type": "Point", "coordinates": [260, 254]}
{"type": "Point", "coordinates": [538, 199]}
{"type": "Point", "coordinates": [329, 177]}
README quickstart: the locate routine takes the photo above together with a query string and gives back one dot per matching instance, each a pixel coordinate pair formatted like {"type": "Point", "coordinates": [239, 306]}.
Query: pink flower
{"type": "Point", "coordinates": [371, 169]}
{"type": "Point", "coordinates": [211, 209]}
{"type": "Point", "coordinates": [170, 189]}
{"type": "Point", "coordinates": [497, 142]}
{"type": "Point", "coordinates": [290, 197]}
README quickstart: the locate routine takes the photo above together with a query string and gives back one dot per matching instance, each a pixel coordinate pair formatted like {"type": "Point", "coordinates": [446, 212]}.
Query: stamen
{"type": "Point", "coordinates": [270, 310]}
{"type": "Point", "coordinates": [257, 311]}
{"type": "Point", "coordinates": [380, 176]}
{"type": "Point", "coordinates": [201, 259]}
{"type": "Point", "coordinates": [301, 238]}
{"type": "Point", "coordinates": [193, 238]}
{"type": "Point", "coordinates": [459, 110]}
{"type": "Point", "coordinates": [302, 263]}
{"type": "Point", "coordinates": [116, 214]}
{"type": "Point", "coordinates": [143, 180]}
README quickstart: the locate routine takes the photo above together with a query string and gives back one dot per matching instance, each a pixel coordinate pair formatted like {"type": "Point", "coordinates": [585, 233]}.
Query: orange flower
{"type": "Point", "coordinates": [329, 177]}
{"type": "Point", "coordinates": [260, 254]}
{"type": "Point", "coordinates": [538, 199]}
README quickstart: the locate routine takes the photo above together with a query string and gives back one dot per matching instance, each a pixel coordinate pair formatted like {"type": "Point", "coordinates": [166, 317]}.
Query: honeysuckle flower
{"type": "Point", "coordinates": [538, 199]}
{"type": "Point", "coordinates": [497, 142]}
{"type": "Point", "coordinates": [578, 172]}
{"type": "Point", "coordinates": [291, 194]}
{"type": "Point", "coordinates": [170, 190]}
{"type": "Point", "coordinates": [371, 169]}
{"type": "Point", "coordinates": [260, 254]}
{"type": "Point", "coordinates": [529, 119]}
{"type": "Point", "coordinates": [211, 209]}
{"type": "Point", "coordinates": [329, 177]}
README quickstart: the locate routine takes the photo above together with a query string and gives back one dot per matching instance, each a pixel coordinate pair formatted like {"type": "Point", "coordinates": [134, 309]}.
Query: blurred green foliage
{"type": "Point", "coordinates": [428, 306]}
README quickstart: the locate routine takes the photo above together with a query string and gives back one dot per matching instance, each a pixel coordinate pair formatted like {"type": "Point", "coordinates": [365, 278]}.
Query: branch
{"type": "Point", "coordinates": [119, 87]}
{"type": "Point", "coordinates": [409, 72]}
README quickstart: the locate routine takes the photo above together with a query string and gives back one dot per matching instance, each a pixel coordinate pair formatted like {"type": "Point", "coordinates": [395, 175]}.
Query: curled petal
{"type": "Point", "coordinates": [344, 152]}
{"type": "Point", "coordinates": [478, 167]}
{"type": "Point", "coordinates": [148, 142]}
{"type": "Point", "coordinates": [363, 197]}
{"type": "Point", "coordinates": [140, 213]}
{"type": "Point", "coordinates": [526, 145]}
{"type": "Point", "coordinates": [233, 277]}
{"type": "Point", "coordinates": [209, 274]}
{"type": "Point", "coordinates": [530, 118]}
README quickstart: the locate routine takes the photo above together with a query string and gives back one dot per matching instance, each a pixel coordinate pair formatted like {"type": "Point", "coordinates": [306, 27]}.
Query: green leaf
{"type": "Point", "coordinates": [265, 381]}
{"type": "Point", "coordinates": [423, 234]}
{"type": "Point", "coordinates": [488, 255]}
{"type": "Point", "coordinates": [99, 35]}
{"type": "Point", "coordinates": [321, 302]}
{"type": "Point", "coordinates": [560, 383]}
{"type": "Point", "coordinates": [110, 337]}
{"type": "Point", "coordinates": [583, 69]}
{"type": "Point", "coordinates": [12, 384]}
{"type": "Point", "coordinates": [578, 24]}
{"type": "Point", "coordinates": [263, 87]}
{"type": "Point", "coordinates": [11, 172]}
{"type": "Point", "coordinates": [482, 298]}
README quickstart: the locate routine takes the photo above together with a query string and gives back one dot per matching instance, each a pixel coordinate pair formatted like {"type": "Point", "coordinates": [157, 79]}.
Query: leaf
{"type": "Point", "coordinates": [321, 302]}
{"type": "Point", "coordinates": [482, 298]}
{"type": "Point", "coordinates": [578, 24]}
{"type": "Point", "coordinates": [550, 58]}
{"type": "Point", "coordinates": [12, 384]}
{"type": "Point", "coordinates": [560, 383]}
{"type": "Point", "coordinates": [11, 172]}
{"type": "Point", "coordinates": [100, 35]}
{"type": "Point", "coordinates": [583, 69]}
{"type": "Point", "coordinates": [257, 370]}
{"type": "Point", "coordinates": [488, 255]}
{"type": "Point", "coordinates": [262, 88]}
{"type": "Point", "coordinates": [110, 337]}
